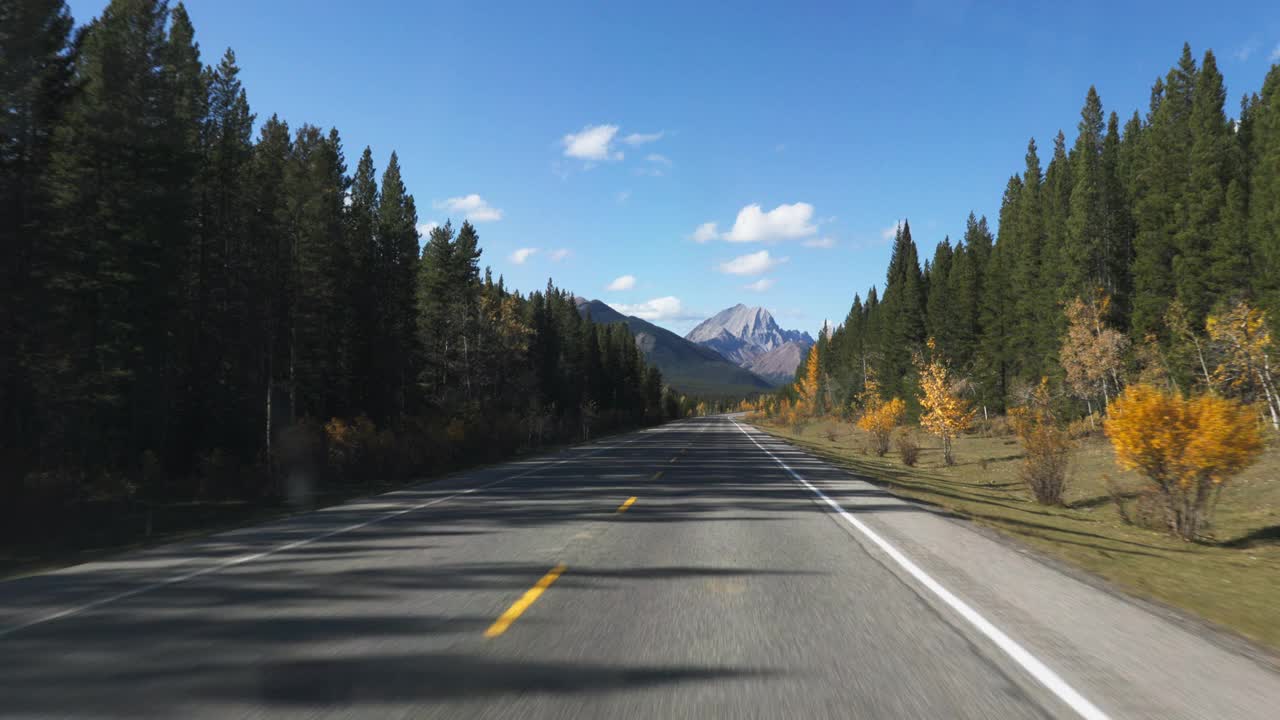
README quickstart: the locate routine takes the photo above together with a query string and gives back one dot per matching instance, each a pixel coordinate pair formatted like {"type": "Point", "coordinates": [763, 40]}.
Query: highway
{"type": "Point", "coordinates": [699, 569]}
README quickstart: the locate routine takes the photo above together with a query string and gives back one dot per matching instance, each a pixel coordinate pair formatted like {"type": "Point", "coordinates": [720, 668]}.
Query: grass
{"type": "Point", "coordinates": [1231, 578]}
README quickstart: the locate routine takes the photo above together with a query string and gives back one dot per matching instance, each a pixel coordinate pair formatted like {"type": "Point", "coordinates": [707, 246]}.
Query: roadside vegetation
{"type": "Point", "coordinates": [196, 315]}
{"type": "Point", "coordinates": [1109, 522]}
{"type": "Point", "coordinates": [1100, 379]}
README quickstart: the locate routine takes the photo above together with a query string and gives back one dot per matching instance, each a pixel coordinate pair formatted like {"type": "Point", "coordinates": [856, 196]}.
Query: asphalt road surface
{"type": "Point", "coordinates": [745, 579]}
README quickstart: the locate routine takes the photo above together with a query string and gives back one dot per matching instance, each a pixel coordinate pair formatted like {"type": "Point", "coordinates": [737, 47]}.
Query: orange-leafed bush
{"type": "Point", "coordinates": [1046, 444]}
{"type": "Point", "coordinates": [879, 420]}
{"type": "Point", "coordinates": [946, 413]}
{"type": "Point", "coordinates": [1188, 448]}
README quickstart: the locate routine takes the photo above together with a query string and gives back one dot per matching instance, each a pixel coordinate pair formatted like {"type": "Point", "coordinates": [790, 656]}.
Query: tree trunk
{"type": "Point", "coordinates": [1268, 387]}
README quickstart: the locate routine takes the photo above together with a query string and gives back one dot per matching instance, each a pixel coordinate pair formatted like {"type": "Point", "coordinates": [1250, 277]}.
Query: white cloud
{"type": "Point", "coordinates": [706, 232]}
{"type": "Point", "coordinates": [780, 223]}
{"type": "Point", "coordinates": [625, 282]}
{"type": "Point", "coordinates": [1245, 51]}
{"type": "Point", "coordinates": [823, 242]}
{"type": "Point", "coordinates": [649, 171]}
{"type": "Point", "coordinates": [642, 138]}
{"type": "Point", "coordinates": [472, 207]}
{"type": "Point", "coordinates": [657, 159]}
{"type": "Point", "coordinates": [752, 264]}
{"type": "Point", "coordinates": [558, 255]}
{"type": "Point", "coordinates": [424, 229]}
{"type": "Point", "coordinates": [657, 309]}
{"type": "Point", "coordinates": [1275, 54]}
{"type": "Point", "coordinates": [623, 195]}
{"type": "Point", "coordinates": [520, 256]}
{"type": "Point", "coordinates": [593, 142]}
{"type": "Point", "coordinates": [890, 232]}
{"type": "Point", "coordinates": [760, 285]}
{"type": "Point", "coordinates": [780, 147]}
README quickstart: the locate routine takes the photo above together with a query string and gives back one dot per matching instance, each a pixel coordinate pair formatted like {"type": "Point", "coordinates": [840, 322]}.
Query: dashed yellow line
{"type": "Point", "coordinates": [500, 625]}
{"type": "Point", "coordinates": [628, 503]}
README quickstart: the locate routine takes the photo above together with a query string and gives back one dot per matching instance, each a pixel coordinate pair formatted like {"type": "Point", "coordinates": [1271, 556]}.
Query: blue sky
{"type": "Point", "coordinates": [603, 135]}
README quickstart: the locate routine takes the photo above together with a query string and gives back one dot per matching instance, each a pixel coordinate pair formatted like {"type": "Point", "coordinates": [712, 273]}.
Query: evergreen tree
{"type": "Point", "coordinates": [937, 318]}
{"type": "Point", "coordinates": [112, 263]}
{"type": "Point", "coordinates": [1211, 167]}
{"type": "Point", "coordinates": [395, 268]}
{"type": "Point", "coordinates": [1161, 184]}
{"type": "Point", "coordinates": [1117, 224]}
{"type": "Point", "coordinates": [1085, 258]}
{"type": "Point", "coordinates": [1264, 195]}
{"type": "Point", "coordinates": [35, 87]}
{"type": "Point", "coordinates": [903, 314]}
{"type": "Point", "coordinates": [364, 289]}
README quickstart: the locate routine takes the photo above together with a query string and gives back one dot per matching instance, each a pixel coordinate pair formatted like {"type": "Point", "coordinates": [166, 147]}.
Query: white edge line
{"type": "Point", "coordinates": [76, 610]}
{"type": "Point", "coordinates": [1020, 655]}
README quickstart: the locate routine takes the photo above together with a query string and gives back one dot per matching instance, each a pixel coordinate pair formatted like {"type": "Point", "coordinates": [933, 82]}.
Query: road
{"type": "Point", "coordinates": [745, 579]}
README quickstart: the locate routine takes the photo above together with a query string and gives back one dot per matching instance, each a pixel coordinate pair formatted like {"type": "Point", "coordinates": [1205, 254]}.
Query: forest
{"type": "Point", "coordinates": [1148, 250]}
{"type": "Point", "coordinates": [195, 311]}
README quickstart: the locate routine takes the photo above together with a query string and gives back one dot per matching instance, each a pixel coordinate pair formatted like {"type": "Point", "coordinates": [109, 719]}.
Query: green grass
{"type": "Point", "coordinates": [1231, 578]}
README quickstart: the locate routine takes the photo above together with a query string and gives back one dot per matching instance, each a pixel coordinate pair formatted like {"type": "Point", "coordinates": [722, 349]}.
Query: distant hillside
{"type": "Point", "coordinates": [749, 337]}
{"type": "Point", "coordinates": [779, 365]}
{"type": "Point", "coordinates": [686, 366]}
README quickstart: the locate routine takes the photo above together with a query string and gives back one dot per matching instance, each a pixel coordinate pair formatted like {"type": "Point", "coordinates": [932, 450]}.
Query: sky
{"type": "Point", "coordinates": [675, 159]}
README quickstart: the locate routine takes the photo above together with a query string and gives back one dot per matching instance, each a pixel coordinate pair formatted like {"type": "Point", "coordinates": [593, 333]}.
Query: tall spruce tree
{"type": "Point", "coordinates": [35, 87]}
{"type": "Point", "coordinates": [1211, 167]}
{"type": "Point", "coordinates": [1160, 187]}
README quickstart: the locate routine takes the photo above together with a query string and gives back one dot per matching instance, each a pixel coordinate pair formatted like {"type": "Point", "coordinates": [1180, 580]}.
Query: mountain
{"type": "Point", "coordinates": [749, 337]}
{"type": "Point", "coordinates": [779, 365]}
{"type": "Point", "coordinates": [686, 366]}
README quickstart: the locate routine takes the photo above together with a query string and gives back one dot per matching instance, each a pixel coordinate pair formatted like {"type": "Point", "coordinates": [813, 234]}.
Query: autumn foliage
{"type": "Point", "coordinates": [807, 385]}
{"type": "Point", "coordinates": [879, 417]}
{"type": "Point", "coordinates": [1092, 354]}
{"type": "Point", "coordinates": [1189, 448]}
{"type": "Point", "coordinates": [1245, 342]}
{"type": "Point", "coordinates": [946, 414]}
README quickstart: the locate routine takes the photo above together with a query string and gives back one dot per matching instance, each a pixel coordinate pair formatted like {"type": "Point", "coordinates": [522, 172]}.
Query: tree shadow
{"type": "Point", "coordinates": [1269, 535]}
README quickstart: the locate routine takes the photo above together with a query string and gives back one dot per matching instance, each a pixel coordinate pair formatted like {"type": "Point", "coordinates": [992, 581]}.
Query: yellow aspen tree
{"type": "Point", "coordinates": [946, 413]}
{"type": "Point", "coordinates": [1092, 354]}
{"type": "Point", "coordinates": [807, 384]}
{"type": "Point", "coordinates": [1187, 448]}
{"type": "Point", "coordinates": [1242, 336]}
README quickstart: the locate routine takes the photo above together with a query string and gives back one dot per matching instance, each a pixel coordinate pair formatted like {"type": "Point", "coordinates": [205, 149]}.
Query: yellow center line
{"type": "Point", "coordinates": [623, 507]}
{"type": "Point", "coordinates": [517, 608]}
{"type": "Point", "coordinates": [656, 475]}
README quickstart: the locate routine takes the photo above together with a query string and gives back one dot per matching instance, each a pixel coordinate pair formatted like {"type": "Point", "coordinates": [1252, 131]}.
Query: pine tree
{"type": "Point", "coordinates": [1211, 168]}
{"type": "Point", "coordinates": [937, 318]}
{"type": "Point", "coordinates": [1161, 184]}
{"type": "Point", "coordinates": [395, 268]}
{"type": "Point", "coordinates": [363, 289]}
{"type": "Point", "coordinates": [113, 265]}
{"type": "Point", "coordinates": [902, 312]}
{"type": "Point", "coordinates": [1117, 227]}
{"type": "Point", "coordinates": [316, 187]}
{"type": "Point", "coordinates": [1085, 256]}
{"type": "Point", "coordinates": [35, 87]}
{"type": "Point", "coordinates": [1264, 196]}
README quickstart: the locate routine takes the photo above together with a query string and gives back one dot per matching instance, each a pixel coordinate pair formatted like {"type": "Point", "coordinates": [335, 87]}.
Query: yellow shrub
{"type": "Point", "coordinates": [879, 420]}
{"type": "Point", "coordinates": [1188, 448]}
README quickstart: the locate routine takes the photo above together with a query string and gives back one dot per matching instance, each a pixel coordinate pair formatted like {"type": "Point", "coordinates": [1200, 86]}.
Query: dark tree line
{"type": "Point", "coordinates": [182, 293]}
{"type": "Point", "coordinates": [1171, 215]}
